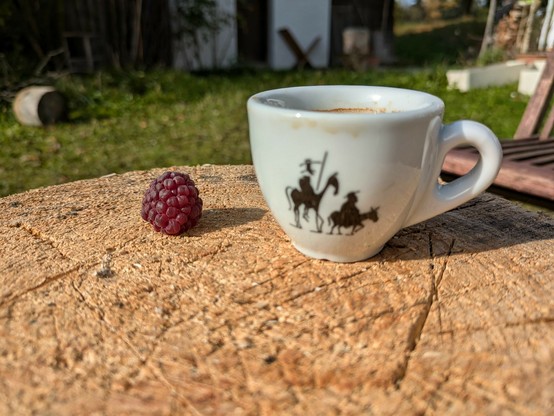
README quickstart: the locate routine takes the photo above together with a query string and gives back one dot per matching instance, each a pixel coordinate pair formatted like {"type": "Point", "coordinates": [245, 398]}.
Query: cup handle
{"type": "Point", "coordinates": [438, 198]}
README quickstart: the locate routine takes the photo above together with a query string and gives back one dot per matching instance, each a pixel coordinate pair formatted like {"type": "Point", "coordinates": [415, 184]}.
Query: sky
{"type": "Point", "coordinates": [406, 2]}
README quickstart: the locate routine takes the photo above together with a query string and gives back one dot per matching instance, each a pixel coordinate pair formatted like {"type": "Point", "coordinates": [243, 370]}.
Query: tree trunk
{"type": "Point", "coordinates": [529, 26]}
{"type": "Point", "coordinates": [382, 30]}
{"type": "Point", "coordinates": [467, 6]}
{"type": "Point", "coordinates": [489, 28]}
{"type": "Point", "coordinates": [546, 26]}
{"type": "Point", "coordinates": [136, 33]}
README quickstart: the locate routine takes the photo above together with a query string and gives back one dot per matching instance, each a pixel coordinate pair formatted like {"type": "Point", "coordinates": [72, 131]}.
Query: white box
{"type": "Point", "coordinates": [481, 77]}
{"type": "Point", "coordinates": [529, 78]}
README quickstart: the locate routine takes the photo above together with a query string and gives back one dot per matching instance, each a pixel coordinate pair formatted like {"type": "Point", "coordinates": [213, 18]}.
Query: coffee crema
{"type": "Point", "coordinates": [367, 110]}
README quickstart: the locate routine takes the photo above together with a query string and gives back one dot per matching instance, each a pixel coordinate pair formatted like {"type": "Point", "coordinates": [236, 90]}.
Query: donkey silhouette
{"type": "Point", "coordinates": [350, 216]}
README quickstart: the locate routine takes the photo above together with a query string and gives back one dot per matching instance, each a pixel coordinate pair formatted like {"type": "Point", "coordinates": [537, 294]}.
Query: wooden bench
{"type": "Point", "coordinates": [528, 168]}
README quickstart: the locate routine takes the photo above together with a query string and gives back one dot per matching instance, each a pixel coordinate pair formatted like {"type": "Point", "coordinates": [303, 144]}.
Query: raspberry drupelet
{"type": "Point", "coordinates": [171, 203]}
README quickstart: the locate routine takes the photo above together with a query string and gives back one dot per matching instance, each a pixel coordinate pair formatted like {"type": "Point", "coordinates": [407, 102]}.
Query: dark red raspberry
{"type": "Point", "coordinates": [172, 204]}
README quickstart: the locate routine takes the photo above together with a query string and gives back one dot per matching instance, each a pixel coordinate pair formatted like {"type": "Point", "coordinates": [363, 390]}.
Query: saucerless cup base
{"type": "Point", "coordinates": [343, 182]}
{"type": "Point", "coordinates": [335, 258]}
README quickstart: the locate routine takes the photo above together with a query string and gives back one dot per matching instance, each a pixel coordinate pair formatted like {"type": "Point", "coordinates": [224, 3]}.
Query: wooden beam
{"type": "Point", "coordinates": [538, 103]}
{"type": "Point", "coordinates": [525, 178]}
{"type": "Point", "coordinates": [302, 58]}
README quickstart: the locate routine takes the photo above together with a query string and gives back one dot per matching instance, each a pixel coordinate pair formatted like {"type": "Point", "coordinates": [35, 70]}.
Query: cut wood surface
{"type": "Point", "coordinates": [100, 315]}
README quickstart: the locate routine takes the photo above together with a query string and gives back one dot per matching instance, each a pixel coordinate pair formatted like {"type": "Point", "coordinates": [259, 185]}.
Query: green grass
{"type": "Point", "coordinates": [121, 122]}
{"type": "Point", "coordinates": [440, 42]}
{"type": "Point", "coordinates": [127, 121]}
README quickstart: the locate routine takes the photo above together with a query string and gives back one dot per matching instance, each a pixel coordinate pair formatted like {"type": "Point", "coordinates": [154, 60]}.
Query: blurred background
{"type": "Point", "coordinates": [157, 83]}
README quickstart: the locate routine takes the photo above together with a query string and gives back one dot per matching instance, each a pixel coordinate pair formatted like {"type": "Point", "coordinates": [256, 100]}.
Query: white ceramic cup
{"type": "Point", "coordinates": [341, 184]}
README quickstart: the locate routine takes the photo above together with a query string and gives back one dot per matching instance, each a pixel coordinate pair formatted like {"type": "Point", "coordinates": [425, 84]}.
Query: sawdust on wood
{"type": "Point", "coordinates": [101, 315]}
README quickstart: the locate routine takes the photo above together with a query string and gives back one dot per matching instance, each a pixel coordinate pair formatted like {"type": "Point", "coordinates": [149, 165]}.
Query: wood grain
{"type": "Point", "coordinates": [455, 316]}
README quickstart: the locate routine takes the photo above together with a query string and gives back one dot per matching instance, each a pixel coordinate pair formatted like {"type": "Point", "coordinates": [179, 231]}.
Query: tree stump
{"type": "Point", "coordinates": [39, 106]}
{"type": "Point", "coordinates": [100, 315]}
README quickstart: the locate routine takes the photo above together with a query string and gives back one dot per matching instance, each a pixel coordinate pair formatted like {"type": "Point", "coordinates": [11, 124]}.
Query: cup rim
{"type": "Point", "coordinates": [261, 101]}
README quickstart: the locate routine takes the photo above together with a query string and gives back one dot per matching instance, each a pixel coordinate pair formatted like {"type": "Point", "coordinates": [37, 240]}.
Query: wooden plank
{"type": "Point", "coordinates": [313, 45]}
{"type": "Point", "coordinates": [536, 145]}
{"type": "Point", "coordinates": [302, 58]}
{"type": "Point", "coordinates": [519, 177]}
{"type": "Point", "coordinates": [510, 143]}
{"type": "Point", "coordinates": [537, 104]}
{"type": "Point", "coordinates": [529, 155]}
{"type": "Point", "coordinates": [453, 317]}
{"type": "Point", "coordinates": [544, 160]}
{"type": "Point", "coordinates": [546, 130]}
{"type": "Point", "coordinates": [459, 162]}
{"type": "Point", "coordinates": [527, 179]}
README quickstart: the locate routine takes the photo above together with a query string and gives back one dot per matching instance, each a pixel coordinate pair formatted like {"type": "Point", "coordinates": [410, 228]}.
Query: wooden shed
{"type": "Point", "coordinates": [116, 33]}
{"type": "Point", "coordinates": [260, 21]}
{"type": "Point", "coordinates": [275, 33]}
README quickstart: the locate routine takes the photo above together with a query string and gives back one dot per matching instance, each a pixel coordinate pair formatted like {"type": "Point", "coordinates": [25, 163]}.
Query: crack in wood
{"type": "Point", "coordinates": [535, 321]}
{"type": "Point", "coordinates": [39, 235]}
{"type": "Point", "coordinates": [242, 364]}
{"type": "Point", "coordinates": [417, 328]}
{"type": "Point", "coordinates": [8, 300]}
{"type": "Point", "coordinates": [102, 318]}
{"type": "Point", "coordinates": [512, 407]}
{"type": "Point", "coordinates": [59, 360]}
{"type": "Point", "coordinates": [269, 280]}
{"type": "Point", "coordinates": [158, 374]}
{"type": "Point", "coordinates": [315, 289]}
{"type": "Point", "coordinates": [165, 330]}
{"type": "Point", "coordinates": [323, 285]}
{"type": "Point", "coordinates": [145, 360]}
{"type": "Point", "coordinates": [375, 316]}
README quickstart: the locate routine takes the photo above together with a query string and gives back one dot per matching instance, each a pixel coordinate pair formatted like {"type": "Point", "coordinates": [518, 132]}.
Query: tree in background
{"type": "Point", "coordinates": [489, 29]}
{"type": "Point", "coordinates": [415, 10]}
{"type": "Point", "coordinates": [29, 33]}
{"type": "Point", "coordinates": [122, 33]}
{"type": "Point", "coordinates": [436, 9]}
{"type": "Point", "coordinates": [382, 13]}
{"type": "Point", "coordinates": [518, 27]}
{"type": "Point", "coordinates": [467, 7]}
{"type": "Point", "coordinates": [546, 37]}
{"type": "Point", "coordinates": [198, 23]}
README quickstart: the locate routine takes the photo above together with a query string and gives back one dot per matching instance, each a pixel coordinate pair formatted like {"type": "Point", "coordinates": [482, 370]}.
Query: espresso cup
{"type": "Point", "coordinates": [344, 168]}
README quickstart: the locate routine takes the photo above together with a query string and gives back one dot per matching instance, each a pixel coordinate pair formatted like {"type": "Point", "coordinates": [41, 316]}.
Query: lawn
{"type": "Point", "coordinates": [128, 121]}
{"type": "Point", "coordinates": [447, 42]}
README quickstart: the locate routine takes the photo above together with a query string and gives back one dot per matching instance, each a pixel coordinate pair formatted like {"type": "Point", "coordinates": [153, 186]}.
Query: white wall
{"type": "Point", "coordinates": [306, 20]}
{"type": "Point", "coordinates": [219, 50]}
